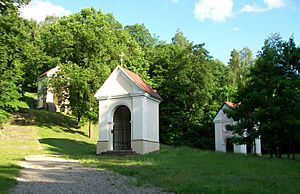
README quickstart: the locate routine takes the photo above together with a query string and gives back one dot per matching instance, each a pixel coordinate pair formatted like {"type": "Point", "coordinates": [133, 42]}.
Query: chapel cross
{"type": "Point", "coordinates": [121, 58]}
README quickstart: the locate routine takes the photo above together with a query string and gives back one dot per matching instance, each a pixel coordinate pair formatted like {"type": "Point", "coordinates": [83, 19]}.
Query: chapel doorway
{"type": "Point", "coordinates": [122, 129]}
{"type": "Point", "coordinates": [229, 145]}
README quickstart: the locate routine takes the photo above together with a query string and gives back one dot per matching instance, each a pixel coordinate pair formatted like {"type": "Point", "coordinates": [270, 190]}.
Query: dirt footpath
{"type": "Point", "coordinates": [45, 174]}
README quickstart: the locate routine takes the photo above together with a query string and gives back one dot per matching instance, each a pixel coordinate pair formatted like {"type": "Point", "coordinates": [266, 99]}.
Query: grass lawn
{"type": "Point", "coordinates": [181, 170]}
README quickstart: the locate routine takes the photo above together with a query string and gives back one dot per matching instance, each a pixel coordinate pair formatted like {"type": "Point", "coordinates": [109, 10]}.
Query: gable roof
{"type": "Point", "coordinates": [140, 82]}
{"type": "Point", "coordinates": [50, 72]}
{"type": "Point", "coordinates": [133, 78]}
{"type": "Point", "coordinates": [229, 104]}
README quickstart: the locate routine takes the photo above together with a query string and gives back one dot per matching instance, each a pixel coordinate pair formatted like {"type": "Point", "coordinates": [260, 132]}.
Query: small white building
{"type": "Point", "coordinates": [128, 114]}
{"type": "Point", "coordinates": [46, 98]}
{"type": "Point", "coordinates": [222, 136]}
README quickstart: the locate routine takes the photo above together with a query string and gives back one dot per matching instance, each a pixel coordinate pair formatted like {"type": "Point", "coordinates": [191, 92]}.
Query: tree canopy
{"type": "Point", "coordinates": [89, 44]}
{"type": "Point", "coordinates": [270, 99]}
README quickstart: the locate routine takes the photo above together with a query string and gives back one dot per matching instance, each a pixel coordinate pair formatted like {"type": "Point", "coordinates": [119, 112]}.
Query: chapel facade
{"type": "Point", "coordinates": [223, 136]}
{"type": "Point", "coordinates": [128, 114]}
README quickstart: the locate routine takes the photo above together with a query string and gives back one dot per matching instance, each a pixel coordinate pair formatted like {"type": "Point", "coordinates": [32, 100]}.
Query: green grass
{"type": "Point", "coordinates": [181, 169]}
{"type": "Point", "coordinates": [16, 142]}
{"type": "Point", "coordinates": [187, 170]}
{"type": "Point", "coordinates": [31, 132]}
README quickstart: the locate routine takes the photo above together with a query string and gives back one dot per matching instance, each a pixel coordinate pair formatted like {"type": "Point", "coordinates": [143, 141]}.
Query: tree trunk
{"type": "Point", "coordinates": [294, 146]}
{"type": "Point", "coordinates": [271, 151]}
{"type": "Point", "coordinates": [290, 145]}
{"type": "Point", "coordinates": [279, 151]}
{"type": "Point", "coordinates": [90, 129]}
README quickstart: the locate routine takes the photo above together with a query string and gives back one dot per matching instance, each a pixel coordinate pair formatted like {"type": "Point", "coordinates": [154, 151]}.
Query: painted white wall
{"type": "Point", "coordinates": [119, 90]}
{"type": "Point", "coordinates": [152, 123]}
{"type": "Point", "coordinates": [240, 148]}
{"type": "Point", "coordinates": [106, 112]}
{"type": "Point", "coordinates": [49, 96]}
{"type": "Point", "coordinates": [137, 120]}
{"type": "Point", "coordinates": [258, 146]}
{"type": "Point", "coordinates": [221, 121]}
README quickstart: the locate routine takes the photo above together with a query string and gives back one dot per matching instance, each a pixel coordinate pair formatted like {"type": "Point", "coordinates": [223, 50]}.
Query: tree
{"type": "Point", "coordinates": [234, 66]}
{"type": "Point", "coordinates": [187, 79]}
{"type": "Point", "coordinates": [14, 45]}
{"type": "Point", "coordinates": [239, 65]}
{"type": "Point", "coordinates": [246, 61]}
{"type": "Point", "coordinates": [88, 45]}
{"type": "Point", "coordinates": [8, 7]}
{"type": "Point", "coordinates": [142, 35]}
{"type": "Point", "coordinates": [270, 99]}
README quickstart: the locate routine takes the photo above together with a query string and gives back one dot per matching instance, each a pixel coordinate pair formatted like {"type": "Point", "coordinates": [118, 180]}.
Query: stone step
{"type": "Point", "coordinates": [119, 152]}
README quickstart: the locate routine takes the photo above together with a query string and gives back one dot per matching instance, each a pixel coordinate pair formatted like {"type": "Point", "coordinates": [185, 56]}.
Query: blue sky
{"type": "Point", "coordinates": [221, 24]}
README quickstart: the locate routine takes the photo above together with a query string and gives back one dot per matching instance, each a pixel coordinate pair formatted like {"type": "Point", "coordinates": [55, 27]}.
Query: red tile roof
{"type": "Point", "coordinates": [141, 83]}
{"type": "Point", "coordinates": [49, 70]}
{"type": "Point", "coordinates": [231, 104]}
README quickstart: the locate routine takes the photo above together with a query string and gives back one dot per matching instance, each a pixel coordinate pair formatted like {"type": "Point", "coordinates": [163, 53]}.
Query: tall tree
{"type": "Point", "coordinates": [187, 79]}
{"type": "Point", "coordinates": [90, 42]}
{"type": "Point", "coordinates": [238, 65]}
{"type": "Point", "coordinates": [270, 100]}
{"type": "Point", "coordinates": [246, 61]}
{"type": "Point", "coordinates": [141, 34]}
{"type": "Point", "coordinates": [11, 6]}
{"type": "Point", "coordinates": [13, 47]}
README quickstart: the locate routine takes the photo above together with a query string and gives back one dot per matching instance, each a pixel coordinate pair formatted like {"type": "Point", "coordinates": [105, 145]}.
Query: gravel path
{"type": "Point", "coordinates": [45, 174]}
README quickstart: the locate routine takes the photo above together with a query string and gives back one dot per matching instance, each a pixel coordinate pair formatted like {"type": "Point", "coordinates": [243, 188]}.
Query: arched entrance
{"type": "Point", "coordinates": [229, 145]}
{"type": "Point", "coordinates": [122, 129]}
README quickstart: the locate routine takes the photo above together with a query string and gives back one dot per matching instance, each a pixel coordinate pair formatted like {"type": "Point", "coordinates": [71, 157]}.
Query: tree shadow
{"type": "Point", "coordinates": [43, 118]}
{"type": "Point", "coordinates": [30, 101]}
{"type": "Point", "coordinates": [71, 148]}
{"type": "Point", "coordinates": [6, 177]}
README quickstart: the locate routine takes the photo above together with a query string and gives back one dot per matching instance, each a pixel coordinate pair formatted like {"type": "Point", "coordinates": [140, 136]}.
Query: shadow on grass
{"type": "Point", "coordinates": [7, 172]}
{"type": "Point", "coordinates": [30, 101]}
{"type": "Point", "coordinates": [71, 148]}
{"type": "Point", "coordinates": [43, 118]}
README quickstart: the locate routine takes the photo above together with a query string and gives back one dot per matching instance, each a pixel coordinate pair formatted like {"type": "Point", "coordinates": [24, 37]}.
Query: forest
{"type": "Point", "coordinates": [87, 46]}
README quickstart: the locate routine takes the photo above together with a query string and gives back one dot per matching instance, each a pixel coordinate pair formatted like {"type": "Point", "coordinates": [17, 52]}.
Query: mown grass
{"type": "Point", "coordinates": [183, 169]}
{"type": "Point", "coordinates": [180, 170]}
{"type": "Point", "coordinates": [15, 143]}
{"type": "Point", "coordinates": [23, 135]}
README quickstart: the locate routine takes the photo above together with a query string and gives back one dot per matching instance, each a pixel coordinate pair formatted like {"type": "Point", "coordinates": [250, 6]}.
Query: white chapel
{"type": "Point", "coordinates": [223, 142]}
{"type": "Point", "coordinates": [128, 114]}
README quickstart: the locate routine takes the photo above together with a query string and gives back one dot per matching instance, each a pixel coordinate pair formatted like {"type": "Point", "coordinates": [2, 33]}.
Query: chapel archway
{"type": "Point", "coordinates": [122, 129]}
{"type": "Point", "coordinates": [229, 145]}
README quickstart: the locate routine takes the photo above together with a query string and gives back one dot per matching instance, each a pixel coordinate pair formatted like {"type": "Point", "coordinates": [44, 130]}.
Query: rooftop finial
{"type": "Point", "coordinates": [121, 58]}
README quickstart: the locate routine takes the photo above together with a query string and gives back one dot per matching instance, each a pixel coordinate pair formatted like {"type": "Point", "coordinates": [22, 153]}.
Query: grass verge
{"type": "Point", "coordinates": [181, 169]}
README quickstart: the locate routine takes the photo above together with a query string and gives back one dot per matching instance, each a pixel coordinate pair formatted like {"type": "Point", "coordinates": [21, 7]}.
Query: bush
{"type": "Point", "coordinates": [4, 116]}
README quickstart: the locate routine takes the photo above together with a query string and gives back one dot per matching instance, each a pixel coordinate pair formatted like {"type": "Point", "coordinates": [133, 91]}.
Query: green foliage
{"type": "Point", "coordinates": [8, 7]}
{"type": "Point", "coordinates": [4, 116]}
{"type": "Point", "coordinates": [188, 80]}
{"type": "Point", "coordinates": [239, 65]}
{"type": "Point", "coordinates": [13, 44]}
{"type": "Point", "coordinates": [270, 100]}
{"type": "Point", "coordinates": [142, 35]}
{"type": "Point", "coordinates": [88, 45]}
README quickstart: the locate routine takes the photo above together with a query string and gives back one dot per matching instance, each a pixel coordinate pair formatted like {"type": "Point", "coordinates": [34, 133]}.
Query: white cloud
{"type": "Point", "coordinates": [270, 4]}
{"type": "Point", "coordinates": [216, 10]}
{"type": "Point", "coordinates": [274, 3]}
{"type": "Point", "coordinates": [236, 29]}
{"type": "Point", "coordinates": [251, 8]}
{"type": "Point", "coordinates": [39, 9]}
